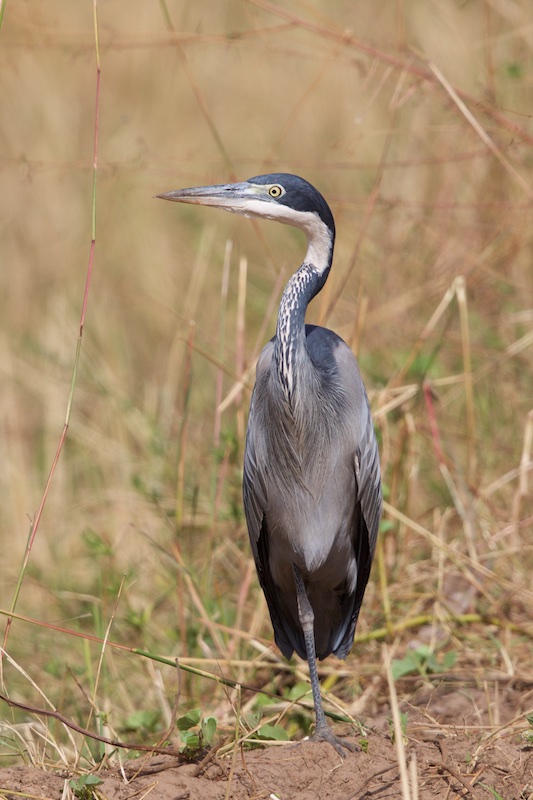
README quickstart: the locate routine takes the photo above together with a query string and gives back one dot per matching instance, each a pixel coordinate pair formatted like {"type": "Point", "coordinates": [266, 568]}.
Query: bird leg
{"type": "Point", "coordinates": [323, 732]}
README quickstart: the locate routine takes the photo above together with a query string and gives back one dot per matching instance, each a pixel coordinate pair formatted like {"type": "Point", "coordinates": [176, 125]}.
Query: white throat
{"type": "Point", "coordinates": [319, 239]}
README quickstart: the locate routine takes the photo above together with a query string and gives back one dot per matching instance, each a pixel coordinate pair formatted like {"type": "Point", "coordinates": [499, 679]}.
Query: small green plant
{"type": "Point", "coordinates": [83, 786]}
{"type": "Point", "coordinates": [277, 733]}
{"type": "Point", "coordinates": [528, 734]}
{"type": "Point", "coordinates": [423, 660]}
{"type": "Point", "coordinates": [494, 793]}
{"type": "Point", "coordinates": [514, 70]}
{"type": "Point", "coordinates": [195, 732]}
{"type": "Point", "coordinates": [404, 717]}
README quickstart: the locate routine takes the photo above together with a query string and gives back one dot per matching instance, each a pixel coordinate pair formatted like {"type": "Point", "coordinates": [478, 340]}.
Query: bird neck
{"type": "Point", "coordinates": [290, 351]}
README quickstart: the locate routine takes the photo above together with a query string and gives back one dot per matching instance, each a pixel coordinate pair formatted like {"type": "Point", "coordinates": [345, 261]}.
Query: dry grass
{"type": "Point", "coordinates": [413, 120]}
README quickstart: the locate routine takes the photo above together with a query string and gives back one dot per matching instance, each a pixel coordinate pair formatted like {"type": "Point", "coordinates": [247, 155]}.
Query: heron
{"type": "Point", "coordinates": [311, 479]}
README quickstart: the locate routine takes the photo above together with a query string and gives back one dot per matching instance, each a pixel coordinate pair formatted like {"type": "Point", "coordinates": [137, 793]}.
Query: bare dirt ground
{"type": "Point", "coordinates": [450, 744]}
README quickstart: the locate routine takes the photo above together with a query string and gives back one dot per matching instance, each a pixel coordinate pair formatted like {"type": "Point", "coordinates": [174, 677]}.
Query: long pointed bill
{"type": "Point", "coordinates": [239, 198]}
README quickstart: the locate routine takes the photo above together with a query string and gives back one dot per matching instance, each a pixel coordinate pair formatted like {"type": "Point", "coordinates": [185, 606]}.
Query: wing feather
{"type": "Point", "coordinates": [336, 361]}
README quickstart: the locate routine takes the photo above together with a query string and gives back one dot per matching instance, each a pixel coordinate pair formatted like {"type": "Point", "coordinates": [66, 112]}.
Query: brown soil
{"type": "Point", "coordinates": [456, 754]}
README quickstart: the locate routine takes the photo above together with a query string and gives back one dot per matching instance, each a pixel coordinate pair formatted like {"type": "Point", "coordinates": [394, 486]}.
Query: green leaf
{"type": "Point", "coordinates": [79, 785]}
{"type": "Point", "coordinates": [405, 666]}
{"type": "Point", "coordinates": [92, 780]}
{"type": "Point", "coordinates": [449, 659]}
{"type": "Point", "coordinates": [423, 651]}
{"type": "Point", "coordinates": [142, 720]}
{"type": "Point", "coordinates": [189, 720]}
{"type": "Point", "coordinates": [422, 660]}
{"type": "Point", "coordinates": [272, 732]}
{"type": "Point", "coordinates": [298, 691]}
{"type": "Point", "coordinates": [208, 728]}
{"type": "Point", "coordinates": [190, 740]}
{"type": "Point", "coordinates": [263, 700]}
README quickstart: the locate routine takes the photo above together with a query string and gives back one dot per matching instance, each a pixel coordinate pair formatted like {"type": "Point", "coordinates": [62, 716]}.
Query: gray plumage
{"type": "Point", "coordinates": [311, 486]}
{"type": "Point", "coordinates": [302, 499]}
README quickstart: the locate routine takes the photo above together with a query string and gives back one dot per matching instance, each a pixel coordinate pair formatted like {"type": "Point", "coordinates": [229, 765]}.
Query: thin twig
{"type": "Point", "coordinates": [44, 712]}
{"type": "Point", "coordinates": [444, 765]}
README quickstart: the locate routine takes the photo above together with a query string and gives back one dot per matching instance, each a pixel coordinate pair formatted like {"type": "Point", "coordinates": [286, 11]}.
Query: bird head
{"type": "Point", "coordinates": [278, 196]}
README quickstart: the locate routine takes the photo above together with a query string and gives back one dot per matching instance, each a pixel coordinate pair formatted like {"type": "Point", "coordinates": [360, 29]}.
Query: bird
{"type": "Point", "coordinates": [311, 479]}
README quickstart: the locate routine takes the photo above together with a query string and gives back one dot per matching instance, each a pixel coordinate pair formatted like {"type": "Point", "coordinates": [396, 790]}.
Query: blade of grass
{"type": "Point", "coordinates": [398, 733]}
{"type": "Point", "coordinates": [468, 378]}
{"type": "Point", "coordinates": [221, 340]}
{"type": "Point", "coordinates": [526, 464]}
{"type": "Point", "coordinates": [93, 704]}
{"type": "Point", "coordinates": [182, 436]}
{"type": "Point", "coordinates": [239, 345]}
{"type": "Point", "coordinates": [227, 796]}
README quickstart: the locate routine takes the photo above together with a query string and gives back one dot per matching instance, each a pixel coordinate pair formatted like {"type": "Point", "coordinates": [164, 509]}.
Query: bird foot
{"type": "Point", "coordinates": [325, 734]}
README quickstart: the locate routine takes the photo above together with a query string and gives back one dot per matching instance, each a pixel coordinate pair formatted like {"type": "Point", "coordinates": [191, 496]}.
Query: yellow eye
{"type": "Point", "coordinates": [276, 191]}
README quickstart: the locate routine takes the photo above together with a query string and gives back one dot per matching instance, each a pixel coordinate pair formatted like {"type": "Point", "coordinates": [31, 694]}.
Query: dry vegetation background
{"type": "Point", "coordinates": [414, 120]}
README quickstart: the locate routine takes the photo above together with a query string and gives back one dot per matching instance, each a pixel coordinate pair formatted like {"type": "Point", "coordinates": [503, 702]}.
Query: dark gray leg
{"type": "Point", "coordinates": [323, 732]}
